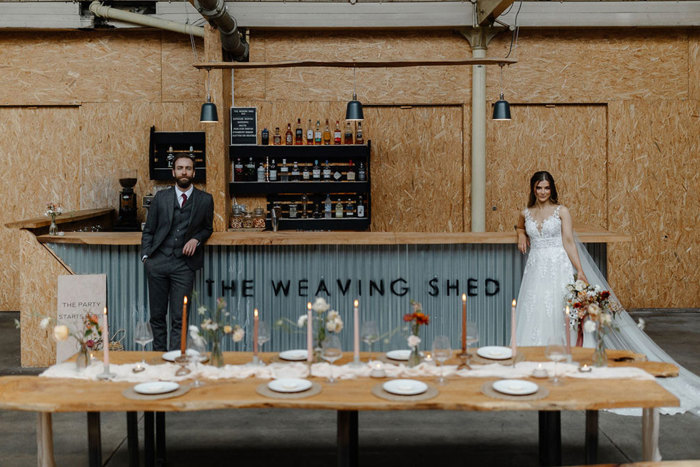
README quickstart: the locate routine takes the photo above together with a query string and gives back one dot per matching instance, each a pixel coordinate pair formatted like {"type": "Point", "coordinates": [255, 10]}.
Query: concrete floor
{"type": "Point", "coordinates": [296, 437]}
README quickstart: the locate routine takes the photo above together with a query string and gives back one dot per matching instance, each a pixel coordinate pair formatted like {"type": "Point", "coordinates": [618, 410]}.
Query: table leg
{"type": "Point", "coordinates": [347, 438]}
{"type": "Point", "coordinates": [148, 436]}
{"type": "Point", "coordinates": [591, 436]}
{"type": "Point", "coordinates": [44, 440]}
{"type": "Point", "coordinates": [132, 438]}
{"type": "Point", "coordinates": [160, 438]}
{"type": "Point", "coordinates": [550, 437]}
{"type": "Point", "coordinates": [650, 435]}
{"type": "Point", "coordinates": [94, 439]}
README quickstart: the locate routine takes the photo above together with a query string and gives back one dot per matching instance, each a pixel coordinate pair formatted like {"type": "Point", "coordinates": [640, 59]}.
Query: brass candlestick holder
{"type": "Point", "coordinates": [182, 360]}
{"type": "Point", "coordinates": [466, 358]}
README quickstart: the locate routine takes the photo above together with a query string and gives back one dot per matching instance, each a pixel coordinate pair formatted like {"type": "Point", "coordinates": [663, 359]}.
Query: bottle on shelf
{"type": "Point", "coordinates": [293, 210]}
{"type": "Point", "coordinates": [273, 171]}
{"type": "Point", "coordinates": [337, 134]}
{"type": "Point", "coordinates": [265, 137]}
{"type": "Point", "coordinates": [317, 210]}
{"type": "Point", "coordinates": [306, 174]}
{"type": "Point", "coordinates": [250, 170]}
{"type": "Point", "coordinates": [339, 208]}
{"type": "Point", "coordinates": [337, 175]}
{"type": "Point", "coordinates": [284, 171]}
{"type": "Point", "coordinates": [277, 138]}
{"type": "Point", "coordinates": [316, 172]}
{"type": "Point", "coordinates": [327, 134]}
{"type": "Point", "coordinates": [318, 136]}
{"type": "Point", "coordinates": [327, 172]}
{"type": "Point", "coordinates": [296, 175]}
{"type": "Point", "coordinates": [298, 133]}
{"type": "Point", "coordinates": [171, 157]}
{"type": "Point", "coordinates": [360, 207]}
{"type": "Point", "coordinates": [310, 134]}
{"type": "Point", "coordinates": [348, 133]}
{"type": "Point", "coordinates": [350, 175]}
{"type": "Point", "coordinates": [238, 170]}
{"type": "Point", "coordinates": [304, 207]}
{"type": "Point", "coordinates": [191, 154]}
{"type": "Point", "coordinates": [359, 137]}
{"type": "Point", "coordinates": [361, 173]}
{"type": "Point", "coordinates": [327, 207]}
{"type": "Point", "coordinates": [261, 173]}
{"type": "Point", "coordinates": [350, 209]}
{"type": "Point", "coordinates": [267, 169]}
{"type": "Point", "coordinates": [289, 136]}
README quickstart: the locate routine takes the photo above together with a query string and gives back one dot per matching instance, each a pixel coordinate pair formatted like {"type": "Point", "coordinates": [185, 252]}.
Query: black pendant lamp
{"type": "Point", "coordinates": [353, 113]}
{"type": "Point", "coordinates": [501, 109]}
{"type": "Point", "coordinates": [208, 113]}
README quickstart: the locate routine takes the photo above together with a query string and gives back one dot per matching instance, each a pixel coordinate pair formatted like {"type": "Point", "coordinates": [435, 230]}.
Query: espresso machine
{"type": "Point", "coordinates": [127, 220]}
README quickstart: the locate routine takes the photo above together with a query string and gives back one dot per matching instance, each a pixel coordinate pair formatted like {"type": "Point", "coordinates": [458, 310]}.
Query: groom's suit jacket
{"type": "Point", "coordinates": [159, 221]}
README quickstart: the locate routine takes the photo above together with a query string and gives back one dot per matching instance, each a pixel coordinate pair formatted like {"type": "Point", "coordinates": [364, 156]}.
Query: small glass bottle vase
{"type": "Point", "coordinates": [53, 228]}
{"type": "Point", "coordinates": [600, 359]}
{"type": "Point", "coordinates": [217, 356]}
{"type": "Point", "coordinates": [414, 357]}
{"type": "Point", "coordinates": [82, 358]}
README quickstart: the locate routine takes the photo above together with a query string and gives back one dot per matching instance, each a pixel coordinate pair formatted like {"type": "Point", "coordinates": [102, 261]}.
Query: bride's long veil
{"type": "Point", "coordinates": [628, 336]}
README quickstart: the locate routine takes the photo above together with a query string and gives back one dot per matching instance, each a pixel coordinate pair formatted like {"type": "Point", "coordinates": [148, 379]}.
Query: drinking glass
{"type": "Point", "coordinates": [142, 335]}
{"type": "Point", "coordinates": [370, 334]}
{"type": "Point", "coordinates": [442, 350]}
{"type": "Point", "coordinates": [472, 338]}
{"type": "Point", "coordinates": [555, 351]}
{"type": "Point", "coordinates": [330, 352]}
{"type": "Point", "coordinates": [196, 352]}
{"type": "Point", "coordinates": [263, 336]}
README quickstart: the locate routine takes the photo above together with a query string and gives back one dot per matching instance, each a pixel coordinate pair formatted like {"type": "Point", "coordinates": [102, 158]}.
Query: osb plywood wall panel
{"type": "Point", "coordinates": [593, 66]}
{"type": "Point", "coordinates": [417, 176]}
{"type": "Point", "coordinates": [654, 178]}
{"type": "Point", "coordinates": [38, 150]}
{"type": "Point", "coordinates": [694, 64]}
{"type": "Point", "coordinates": [38, 299]}
{"type": "Point", "coordinates": [181, 81]}
{"type": "Point", "coordinates": [567, 141]}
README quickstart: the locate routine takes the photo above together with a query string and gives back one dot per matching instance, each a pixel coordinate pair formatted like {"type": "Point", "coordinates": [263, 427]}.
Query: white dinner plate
{"type": "Point", "coordinates": [295, 355]}
{"type": "Point", "coordinates": [405, 387]}
{"type": "Point", "coordinates": [156, 387]}
{"type": "Point", "coordinates": [173, 354]}
{"type": "Point", "coordinates": [495, 352]}
{"type": "Point", "coordinates": [515, 387]}
{"type": "Point", "coordinates": [400, 355]}
{"type": "Point", "coordinates": [289, 385]}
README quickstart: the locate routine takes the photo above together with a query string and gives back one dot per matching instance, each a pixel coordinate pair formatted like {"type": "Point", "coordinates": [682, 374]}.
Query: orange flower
{"type": "Point", "coordinates": [422, 318]}
{"type": "Point", "coordinates": [408, 317]}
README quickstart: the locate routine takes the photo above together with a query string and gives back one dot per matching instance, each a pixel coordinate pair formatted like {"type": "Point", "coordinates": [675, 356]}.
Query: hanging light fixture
{"type": "Point", "coordinates": [501, 109]}
{"type": "Point", "coordinates": [353, 113]}
{"type": "Point", "coordinates": [209, 113]}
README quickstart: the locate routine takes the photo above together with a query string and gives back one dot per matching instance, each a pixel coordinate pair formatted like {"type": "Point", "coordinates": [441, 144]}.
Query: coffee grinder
{"type": "Point", "coordinates": [127, 221]}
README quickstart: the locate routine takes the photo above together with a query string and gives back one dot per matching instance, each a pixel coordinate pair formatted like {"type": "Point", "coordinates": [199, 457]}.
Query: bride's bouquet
{"type": "Point", "coordinates": [591, 309]}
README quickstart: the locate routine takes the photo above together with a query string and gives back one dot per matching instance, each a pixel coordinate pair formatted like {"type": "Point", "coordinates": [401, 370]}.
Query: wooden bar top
{"type": "Point", "coordinates": [66, 217]}
{"type": "Point", "coordinates": [327, 238]}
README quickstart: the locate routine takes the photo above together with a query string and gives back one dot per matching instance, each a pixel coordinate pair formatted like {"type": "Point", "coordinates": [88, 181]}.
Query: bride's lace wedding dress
{"type": "Point", "coordinates": [541, 303]}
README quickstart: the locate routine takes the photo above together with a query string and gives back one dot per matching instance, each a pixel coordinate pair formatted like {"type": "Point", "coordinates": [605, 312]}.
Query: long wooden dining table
{"type": "Point", "coordinates": [347, 397]}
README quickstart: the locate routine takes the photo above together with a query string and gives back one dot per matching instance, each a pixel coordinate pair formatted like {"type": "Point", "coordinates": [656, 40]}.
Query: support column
{"type": "Point", "coordinates": [478, 193]}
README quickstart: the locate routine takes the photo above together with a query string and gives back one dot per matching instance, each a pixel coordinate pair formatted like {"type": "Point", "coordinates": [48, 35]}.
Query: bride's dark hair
{"type": "Point", "coordinates": [542, 176]}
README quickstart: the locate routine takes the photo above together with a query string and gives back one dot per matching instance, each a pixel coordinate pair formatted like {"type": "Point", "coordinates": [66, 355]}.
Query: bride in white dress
{"type": "Point", "coordinates": [546, 227]}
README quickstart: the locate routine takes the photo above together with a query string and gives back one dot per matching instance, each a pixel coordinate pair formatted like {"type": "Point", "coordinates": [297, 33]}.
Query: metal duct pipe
{"type": "Point", "coordinates": [114, 13]}
{"type": "Point", "coordinates": [215, 12]}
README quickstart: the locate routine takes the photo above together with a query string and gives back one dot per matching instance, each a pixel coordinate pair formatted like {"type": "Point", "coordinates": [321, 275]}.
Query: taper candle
{"type": "Point", "coordinates": [309, 338]}
{"type": "Point", "coordinates": [513, 345]}
{"type": "Point", "coordinates": [183, 333]}
{"type": "Point", "coordinates": [464, 323]}
{"type": "Point", "coordinates": [255, 332]}
{"type": "Point", "coordinates": [105, 339]}
{"type": "Point", "coordinates": [356, 340]}
{"type": "Point", "coordinates": [567, 331]}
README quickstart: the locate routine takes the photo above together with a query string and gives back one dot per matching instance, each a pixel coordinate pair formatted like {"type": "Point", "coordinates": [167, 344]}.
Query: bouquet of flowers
{"type": "Point", "coordinates": [591, 305]}
{"type": "Point", "coordinates": [417, 318]}
{"type": "Point", "coordinates": [326, 321]}
{"type": "Point", "coordinates": [215, 325]}
{"type": "Point", "coordinates": [52, 211]}
{"type": "Point", "coordinates": [88, 336]}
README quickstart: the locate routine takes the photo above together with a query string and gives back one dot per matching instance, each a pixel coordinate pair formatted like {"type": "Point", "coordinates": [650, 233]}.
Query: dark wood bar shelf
{"type": "Point", "coordinates": [254, 188]}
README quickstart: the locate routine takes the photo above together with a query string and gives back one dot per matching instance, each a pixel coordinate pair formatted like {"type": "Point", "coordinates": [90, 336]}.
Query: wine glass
{"type": "Point", "coordinates": [370, 334]}
{"type": "Point", "coordinates": [196, 352]}
{"type": "Point", "coordinates": [472, 338]}
{"type": "Point", "coordinates": [263, 336]}
{"type": "Point", "coordinates": [142, 335]}
{"type": "Point", "coordinates": [555, 351]}
{"type": "Point", "coordinates": [330, 352]}
{"type": "Point", "coordinates": [442, 350]}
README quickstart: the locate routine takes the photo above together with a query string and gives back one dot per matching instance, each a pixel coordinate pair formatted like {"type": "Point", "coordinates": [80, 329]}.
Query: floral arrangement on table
{"type": "Point", "coordinates": [214, 326]}
{"type": "Point", "coordinates": [417, 318]}
{"type": "Point", "coordinates": [53, 210]}
{"type": "Point", "coordinates": [88, 336]}
{"type": "Point", "coordinates": [325, 320]}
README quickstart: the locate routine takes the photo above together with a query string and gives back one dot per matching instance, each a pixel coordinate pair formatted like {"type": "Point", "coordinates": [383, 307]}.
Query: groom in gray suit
{"type": "Point", "coordinates": [172, 248]}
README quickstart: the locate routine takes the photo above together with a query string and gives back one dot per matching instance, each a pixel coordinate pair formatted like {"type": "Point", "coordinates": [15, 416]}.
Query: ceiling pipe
{"type": "Point", "coordinates": [143, 20]}
{"type": "Point", "coordinates": [216, 13]}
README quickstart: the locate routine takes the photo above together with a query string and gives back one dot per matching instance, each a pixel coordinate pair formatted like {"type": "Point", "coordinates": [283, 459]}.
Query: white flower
{"type": "Point", "coordinates": [579, 285]}
{"type": "Point", "coordinates": [194, 330]}
{"type": "Point", "coordinates": [594, 310]}
{"type": "Point", "coordinates": [413, 341]}
{"type": "Point", "coordinates": [44, 323]}
{"type": "Point", "coordinates": [61, 332]}
{"type": "Point", "coordinates": [334, 325]}
{"type": "Point", "coordinates": [320, 305]}
{"type": "Point", "coordinates": [641, 324]}
{"type": "Point", "coordinates": [301, 322]}
{"type": "Point", "coordinates": [597, 288]}
{"type": "Point", "coordinates": [333, 315]}
{"type": "Point", "coordinates": [605, 319]}
{"type": "Point", "coordinates": [590, 326]}
{"type": "Point", "coordinates": [209, 325]}
{"type": "Point", "coordinates": [238, 334]}
{"type": "Point", "coordinates": [201, 310]}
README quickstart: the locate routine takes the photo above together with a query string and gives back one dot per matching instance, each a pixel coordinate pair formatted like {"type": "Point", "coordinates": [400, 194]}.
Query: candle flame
{"type": "Point", "coordinates": [356, 303]}
{"type": "Point", "coordinates": [513, 302]}
{"type": "Point", "coordinates": [105, 311]}
{"type": "Point", "coordinates": [308, 306]}
{"type": "Point", "coordinates": [464, 297]}
{"type": "Point", "coordinates": [185, 301]}
{"type": "Point", "coordinates": [567, 310]}
{"type": "Point", "coordinates": [255, 312]}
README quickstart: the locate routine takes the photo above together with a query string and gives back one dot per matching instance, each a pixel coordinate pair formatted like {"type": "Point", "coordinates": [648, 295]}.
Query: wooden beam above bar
{"type": "Point", "coordinates": [362, 64]}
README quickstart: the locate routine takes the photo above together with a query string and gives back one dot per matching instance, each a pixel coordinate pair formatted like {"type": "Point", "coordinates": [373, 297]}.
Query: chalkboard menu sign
{"type": "Point", "coordinates": [244, 125]}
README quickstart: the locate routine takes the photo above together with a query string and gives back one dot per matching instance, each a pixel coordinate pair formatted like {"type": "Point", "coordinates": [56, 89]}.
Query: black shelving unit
{"type": "Point", "coordinates": [288, 192]}
{"type": "Point", "coordinates": [158, 149]}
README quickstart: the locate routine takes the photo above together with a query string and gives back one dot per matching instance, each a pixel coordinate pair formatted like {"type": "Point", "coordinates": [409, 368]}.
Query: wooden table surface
{"type": "Point", "coordinates": [39, 394]}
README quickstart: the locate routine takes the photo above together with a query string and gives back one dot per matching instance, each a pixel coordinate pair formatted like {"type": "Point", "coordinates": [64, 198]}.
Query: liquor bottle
{"type": "Point", "coordinates": [273, 171]}
{"type": "Point", "coordinates": [339, 208]}
{"type": "Point", "coordinates": [296, 175]}
{"type": "Point", "coordinates": [316, 171]}
{"type": "Point", "coordinates": [304, 207]}
{"type": "Point", "coordinates": [351, 172]}
{"type": "Point", "coordinates": [310, 134]}
{"type": "Point", "coordinates": [337, 175]}
{"type": "Point", "coordinates": [305, 174]}
{"type": "Point", "coordinates": [267, 169]}
{"type": "Point", "coordinates": [348, 133]}
{"type": "Point", "coordinates": [171, 157]}
{"type": "Point", "coordinates": [317, 134]}
{"type": "Point", "coordinates": [298, 133]}
{"type": "Point", "coordinates": [350, 209]}
{"type": "Point", "coordinates": [327, 134]}
{"type": "Point", "coordinates": [277, 138]}
{"type": "Point", "coordinates": [327, 172]}
{"type": "Point", "coordinates": [337, 135]}
{"type": "Point", "coordinates": [361, 173]}
{"type": "Point", "coordinates": [238, 170]}
{"type": "Point", "coordinates": [359, 138]}
{"type": "Point", "coordinates": [261, 172]}
{"type": "Point", "coordinates": [289, 136]}
{"type": "Point", "coordinates": [284, 171]}
{"type": "Point", "coordinates": [265, 137]}
{"type": "Point", "coordinates": [191, 154]}
{"type": "Point", "coordinates": [317, 210]}
{"type": "Point", "coordinates": [250, 170]}
{"type": "Point", "coordinates": [293, 210]}
{"type": "Point", "coordinates": [360, 207]}
{"type": "Point", "coordinates": [327, 207]}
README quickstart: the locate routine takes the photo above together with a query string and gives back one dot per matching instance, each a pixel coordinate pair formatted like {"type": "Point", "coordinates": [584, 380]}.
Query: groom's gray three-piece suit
{"type": "Point", "coordinates": [170, 273]}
